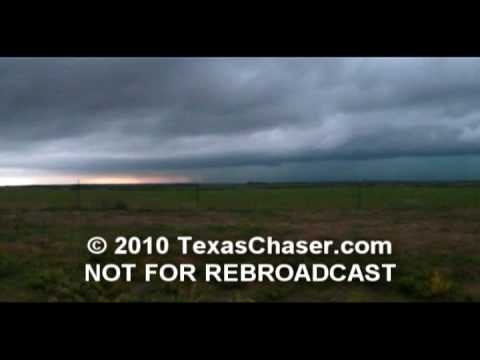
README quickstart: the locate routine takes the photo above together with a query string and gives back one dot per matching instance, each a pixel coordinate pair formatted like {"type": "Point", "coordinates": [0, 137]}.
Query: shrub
{"type": "Point", "coordinates": [7, 266]}
{"type": "Point", "coordinates": [439, 285]}
{"type": "Point", "coordinates": [429, 285]}
{"type": "Point", "coordinates": [120, 205]}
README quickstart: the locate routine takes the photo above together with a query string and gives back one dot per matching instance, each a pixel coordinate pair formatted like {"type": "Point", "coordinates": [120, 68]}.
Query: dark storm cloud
{"type": "Point", "coordinates": [193, 115]}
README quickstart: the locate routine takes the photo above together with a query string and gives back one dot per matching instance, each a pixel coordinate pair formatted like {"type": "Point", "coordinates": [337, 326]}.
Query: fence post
{"type": "Point", "coordinates": [477, 197]}
{"type": "Point", "coordinates": [197, 195]}
{"type": "Point", "coordinates": [359, 195]}
{"type": "Point", "coordinates": [78, 195]}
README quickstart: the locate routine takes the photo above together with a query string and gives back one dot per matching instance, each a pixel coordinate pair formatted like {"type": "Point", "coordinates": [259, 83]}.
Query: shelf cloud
{"type": "Point", "coordinates": [229, 119]}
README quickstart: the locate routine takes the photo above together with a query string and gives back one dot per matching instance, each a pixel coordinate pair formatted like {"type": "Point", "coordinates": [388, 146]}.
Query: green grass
{"type": "Point", "coordinates": [434, 231]}
{"type": "Point", "coordinates": [245, 198]}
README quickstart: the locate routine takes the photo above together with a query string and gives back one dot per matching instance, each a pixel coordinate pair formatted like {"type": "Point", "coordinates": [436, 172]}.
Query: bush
{"type": "Point", "coordinates": [59, 286]}
{"type": "Point", "coordinates": [430, 285]}
{"type": "Point", "coordinates": [120, 205]}
{"type": "Point", "coordinates": [7, 266]}
{"type": "Point", "coordinates": [439, 285]}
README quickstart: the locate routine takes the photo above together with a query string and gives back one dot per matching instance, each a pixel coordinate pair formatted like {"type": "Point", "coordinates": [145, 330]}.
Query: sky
{"type": "Point", "coordinates": [149, 120]}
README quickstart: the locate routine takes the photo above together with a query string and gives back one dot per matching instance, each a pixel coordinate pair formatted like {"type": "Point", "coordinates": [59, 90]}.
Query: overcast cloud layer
{"type": "Point", "coordinates": [240, 119]}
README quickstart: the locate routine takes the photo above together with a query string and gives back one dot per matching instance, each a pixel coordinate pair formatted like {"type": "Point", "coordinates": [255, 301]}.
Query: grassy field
{"type": "Point", "coordinates": [434, 231]}
{"type": "Point", "coordinates": [242, 197]}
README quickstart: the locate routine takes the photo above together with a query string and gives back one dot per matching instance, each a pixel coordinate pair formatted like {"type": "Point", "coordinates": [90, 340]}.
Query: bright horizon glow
{"type": "Point", "coordinates": [100, 180]}
{"type": "Point", "coordinates": [16, 181]}
{"type": "Point", "coordinates": [134, 180]}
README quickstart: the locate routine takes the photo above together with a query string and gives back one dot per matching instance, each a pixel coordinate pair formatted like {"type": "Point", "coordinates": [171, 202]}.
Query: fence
{"type": "Point", "coordinates": [243, 197]}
